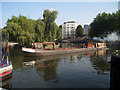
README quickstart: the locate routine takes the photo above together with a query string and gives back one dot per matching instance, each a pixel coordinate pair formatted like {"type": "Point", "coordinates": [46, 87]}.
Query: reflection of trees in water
{"type": "Point", "coordinates": [101, 63]}
{"type": "Point", "coordinates": [16, 56]}
{"type": "Point", "coordinates": [48, 67]}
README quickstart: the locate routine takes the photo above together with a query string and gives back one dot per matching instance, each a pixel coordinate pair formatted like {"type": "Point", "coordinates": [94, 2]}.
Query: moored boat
{"type": "Point", "coordinates": [5, 64]}
{"type": "Point", "coordinates": [39, 48]}
{"type": "Point", "coordinates": [5, 70]}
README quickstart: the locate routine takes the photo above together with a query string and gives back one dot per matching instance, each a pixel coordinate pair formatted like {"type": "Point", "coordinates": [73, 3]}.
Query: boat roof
{"type": "Point", "coordinates": [86, 41]}
{"type": "Point", "coordinates": [44, 42]}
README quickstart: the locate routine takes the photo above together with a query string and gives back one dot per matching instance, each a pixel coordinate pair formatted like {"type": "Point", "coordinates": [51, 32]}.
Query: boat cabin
{"type": "Point", "coordinates": [96, 45]}
{"type": "Point", "coordinates": [44, 45]}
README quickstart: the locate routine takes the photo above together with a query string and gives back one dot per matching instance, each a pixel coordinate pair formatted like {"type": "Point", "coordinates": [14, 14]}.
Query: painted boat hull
{"type": "Point", "coordinates": [5, 71]}
{"type": "Point", "coordinates": [36, 52]}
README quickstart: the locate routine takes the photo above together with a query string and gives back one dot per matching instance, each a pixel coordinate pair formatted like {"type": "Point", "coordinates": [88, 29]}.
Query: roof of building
{"type": "Point", "coordinates": [70, 22]}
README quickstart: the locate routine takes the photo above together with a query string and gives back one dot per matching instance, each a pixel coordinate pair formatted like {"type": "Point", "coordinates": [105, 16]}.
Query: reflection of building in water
{"type": "Point", "coordinates": [97, 53]}
{"type": "Point", "coordinates": [101, 52]}
{"type": "Point", "coordinates": [70, 58]}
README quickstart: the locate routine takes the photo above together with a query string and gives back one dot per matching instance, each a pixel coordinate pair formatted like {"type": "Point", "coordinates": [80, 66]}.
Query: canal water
{"type": "Point", "coordinates": [91, 70]}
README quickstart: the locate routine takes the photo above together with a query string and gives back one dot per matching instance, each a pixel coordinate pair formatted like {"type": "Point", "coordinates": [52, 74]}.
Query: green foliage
{"type": "Point", "coordinates": [59, 33]}
{"type": "Point", "coordinates": [60, 26]}
{"type": "Point", "coordinates": [26, 31]}
{"type": "Point", "coordinates": [12, 30]}
{"type": "Point", "coordinates": [14, 19]}
{"type": "Point", "coordinates": [79, 31]}
{"type": "Point", "coordinates": [50, 28]}
{"type": "Point", "coordinates": [53, 29]}
{"type": "Point", "coordinates": [39, 29]}
{"type": "Point", "coordinates": [104, 24]}
{"type": "Point", "coordinates": [49, 16]}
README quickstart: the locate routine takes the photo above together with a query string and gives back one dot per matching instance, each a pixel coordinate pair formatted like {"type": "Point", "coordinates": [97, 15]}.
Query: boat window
{"type": "Point", "coordinates": [39, 46]}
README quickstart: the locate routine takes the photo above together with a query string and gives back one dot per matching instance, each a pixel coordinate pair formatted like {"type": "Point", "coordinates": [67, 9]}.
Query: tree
{"type": "Point", "coordinates": [29, 25]}
{"type": "Point", "coordinates": [53, 29]}
{"type": "Point", "coordinates": [60, 26]}
{"type": "Point", "coordinates": [12, 30]}
{"type": "Point", "coordinates": [21, 30]}
{"type": "Point", "coordinates": [14, 19]}
{"type": "Point", "coordinates": [59, 32]}
{"type": "Point", "coordinates": [49, 17]}
{"type": "Point", "coordinates": [104, 24]}
{"type": "Point", "coordinates": [40, 30]}
{"type": "Point", "coordinates": [79, 31]}
{"type": "Point", "coordinates": [21, 20]}
{"type": "Point", "coordinates": [26, 31]}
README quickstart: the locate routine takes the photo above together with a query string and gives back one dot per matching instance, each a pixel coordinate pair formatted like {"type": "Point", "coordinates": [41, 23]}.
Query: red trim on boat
{"type": "Point", "coordinates": [2, 65]}
{"type": "Point", "coordinates": [6, 77]}
{"type": "Point", "coordinates": [5, 73]}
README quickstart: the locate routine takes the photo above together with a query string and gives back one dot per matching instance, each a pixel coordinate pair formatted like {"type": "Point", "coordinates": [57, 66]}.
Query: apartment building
{"type": "Point", "coordinates": [86, 29]}
{"type": "Point", "coordinates": [69, 29]}
{"type": "Point", "coordinates": [119, 5]}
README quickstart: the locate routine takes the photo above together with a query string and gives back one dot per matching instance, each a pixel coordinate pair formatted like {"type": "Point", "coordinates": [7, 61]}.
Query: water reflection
{"type": "Point", "coordinates": [16, 56]}
{"type": "Point", "coordinates": [49, 69]}
{"type": "Point", "coordinates": [6, 81]}
{"type": "Point", "coordinates": [100, 52]}
{"type": "Point", "coordinates": [100, 62]}
{"type": "Point", "coordinates": [73, 70]}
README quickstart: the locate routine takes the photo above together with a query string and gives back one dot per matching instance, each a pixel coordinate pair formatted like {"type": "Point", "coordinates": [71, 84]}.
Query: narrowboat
{"type": "Point", "coordinates": [44, 48]}
{"type": "Point", "coordinates": [5, 64]}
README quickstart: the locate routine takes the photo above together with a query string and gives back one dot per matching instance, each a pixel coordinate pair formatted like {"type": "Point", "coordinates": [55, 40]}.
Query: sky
{"type": "Point", "coordinates": [80, 12]}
